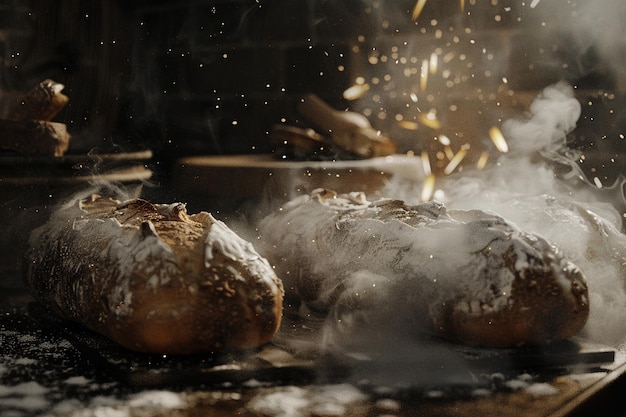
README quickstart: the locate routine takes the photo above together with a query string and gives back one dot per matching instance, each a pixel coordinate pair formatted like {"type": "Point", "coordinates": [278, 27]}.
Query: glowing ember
{"type": "Point", "coordinates": [455, 161]}
{"type": "Point", "coordinates": [424, 75]}
{"type": "Point", "coordinates": [498, 139]}
{"type": "Point", "coordinates": [430, 119]}
{"type": "Point", "coordinates": [417, 10]}
{"type": "Point", "coordinates": [408, 125]}
{"type": "Point", "coordinates": [482, 160]}
{"type": "Point", "coordinates": [428, 188]}
{"type": "Point", "coordinates": [356, 91]}
{"type": "Point", "coordinates": [433, 64]}
{"type": "Point", "coordinates": [462, 5]}
{"type": "Point", "coordinates": [425, 163]}
{"type": "Point", "coordinates": [597, 182]}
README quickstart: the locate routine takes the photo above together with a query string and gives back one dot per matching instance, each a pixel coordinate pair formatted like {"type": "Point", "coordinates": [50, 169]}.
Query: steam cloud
{"type": "Point", "coordinates": [526, 190]}
{"type": "Point", "coordinates": [537, 185]}
{"type": "Point", "coordinates": [524, 187]}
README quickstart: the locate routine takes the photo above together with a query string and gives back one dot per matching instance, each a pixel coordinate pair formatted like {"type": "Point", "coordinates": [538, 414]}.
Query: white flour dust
{"type": "Point", "coordinates": [524, 188]}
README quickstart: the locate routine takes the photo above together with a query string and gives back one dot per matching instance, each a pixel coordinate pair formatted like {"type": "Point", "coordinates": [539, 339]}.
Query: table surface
{"type": "Point", "coordinates": [51, 367]}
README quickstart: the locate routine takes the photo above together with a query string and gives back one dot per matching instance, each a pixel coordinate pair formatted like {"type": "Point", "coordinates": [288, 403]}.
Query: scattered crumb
{"type": "Point", "coordinates": [542, 388]}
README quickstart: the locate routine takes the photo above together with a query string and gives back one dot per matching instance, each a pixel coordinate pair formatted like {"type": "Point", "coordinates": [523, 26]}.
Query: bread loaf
{"type": "Point", "coordinates": [467, 276]}
{"type": "Point", "coordinates": [28, 128]}
{"type": "Point", "coordinates": [34, 137]}
{"type": "Point", "coordinates": [153, 278]}
{"type": "Point", "coordinates": [43, 102]}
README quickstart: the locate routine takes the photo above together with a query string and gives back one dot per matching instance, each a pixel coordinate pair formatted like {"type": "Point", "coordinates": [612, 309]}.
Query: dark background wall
{"type": "Point", "coordinates": [213, 76]}
{"type": "Point", "coordinates": [209, 77]}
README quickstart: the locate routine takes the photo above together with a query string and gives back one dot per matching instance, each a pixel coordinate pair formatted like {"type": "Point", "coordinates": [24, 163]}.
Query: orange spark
{"type": "Point", "coordinates": [417, 10]}
{"type": "Point", "coordinates": [430, 119]}
{"type": "Point", "coordinates": [455, 161]}
{"type": "Point", "coordinates": [356, 91]}
{"type": "Point", "coordinates": [408, 125]}
{"type": "Point", "coordinates": [424, 75]}
{"type": "Point", "coordinates": [482, 160]}
{"type": "Point", "coordinates": [428, 188]}
{"type": "Point", "coordinates": [498, 139]}
{"type": "Point", "coordinates": [434, 61]}
{"type": "Point", "coordinates": [444, 140]}
{"type": "Point", "coordinates": [425, 163]}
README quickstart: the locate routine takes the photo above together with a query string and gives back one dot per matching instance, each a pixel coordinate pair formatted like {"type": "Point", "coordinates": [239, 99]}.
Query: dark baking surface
{"type": "Point", "coordinates": [31, 170]}
{"type": "Point", "coordinates": [49, 366]}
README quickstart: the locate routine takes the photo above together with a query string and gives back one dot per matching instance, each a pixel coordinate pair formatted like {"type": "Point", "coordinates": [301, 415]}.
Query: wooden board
{"type": "Point", "coordinates": [232, 384]}
{"type": "Point", "coordinates": [256, 176]}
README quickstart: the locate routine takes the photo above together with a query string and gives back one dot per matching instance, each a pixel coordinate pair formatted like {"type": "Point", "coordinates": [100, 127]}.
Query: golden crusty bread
{"type": "Point", "coordinates": [34, 137]}
{"type": "Point", "coordinates": [153, 278]}
{"type": "Point", "coordinates": [43, 102]}
{"type": "Point", "coordinates": [28, 128]}
{"type": "Point", "coordinates": [467, 276]}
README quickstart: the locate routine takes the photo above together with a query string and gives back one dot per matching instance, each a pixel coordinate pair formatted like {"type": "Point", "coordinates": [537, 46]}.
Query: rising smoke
{"type": "Point", "coordinates": [537, 185]}
{"type": "Point", "coordinates": [524, 188]}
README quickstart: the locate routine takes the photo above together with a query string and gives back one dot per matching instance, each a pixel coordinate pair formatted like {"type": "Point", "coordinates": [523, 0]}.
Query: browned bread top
{"type": "Point", "coordinates": [154, 278]}
{"type": "Point", "coordinates": [469, 276]}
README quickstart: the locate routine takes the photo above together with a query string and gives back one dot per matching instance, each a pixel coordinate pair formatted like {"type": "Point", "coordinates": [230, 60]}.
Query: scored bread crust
{"type": "Point", "coordinates": [468, 276]}
{"type": "Point", "coordinates": [153, 278]}
{"type": "Point", "coordinates": [42, 102]}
